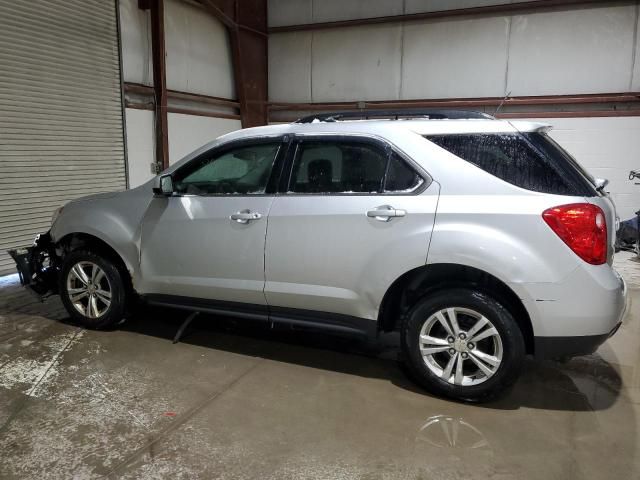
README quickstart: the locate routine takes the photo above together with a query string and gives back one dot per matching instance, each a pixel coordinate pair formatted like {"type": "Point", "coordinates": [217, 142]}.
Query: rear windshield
{"type": "Point", "coordinates": [527, 160]}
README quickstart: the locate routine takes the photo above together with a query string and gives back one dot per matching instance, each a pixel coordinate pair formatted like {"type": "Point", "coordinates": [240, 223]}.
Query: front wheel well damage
{"type": "Point", "coordinates": [84, 241]}
{"type": "Point", "coordinates": [422, 281]}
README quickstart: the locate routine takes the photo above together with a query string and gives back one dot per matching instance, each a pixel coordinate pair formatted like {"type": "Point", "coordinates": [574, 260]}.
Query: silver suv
{"type": "Point", "coordinates": [479, 240]}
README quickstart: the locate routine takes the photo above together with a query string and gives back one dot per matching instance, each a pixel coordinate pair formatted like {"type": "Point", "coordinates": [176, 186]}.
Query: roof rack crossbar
{"type": "Point", "coordinates": [395, 114]}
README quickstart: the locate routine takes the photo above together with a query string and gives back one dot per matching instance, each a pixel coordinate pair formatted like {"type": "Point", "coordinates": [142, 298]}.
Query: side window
{"type": "Point", "coordinates": [509, 157]}
{"type": "Point", "coordinates": [243, 170]}
{"type": "Point", "coordinates": [401, 178]}
{"type": "Point", "coordinates": [337, 167]}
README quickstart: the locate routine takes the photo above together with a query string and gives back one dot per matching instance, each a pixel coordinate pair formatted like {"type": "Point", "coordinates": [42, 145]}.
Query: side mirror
{"type": "Point", "coordinates": [163, 185]}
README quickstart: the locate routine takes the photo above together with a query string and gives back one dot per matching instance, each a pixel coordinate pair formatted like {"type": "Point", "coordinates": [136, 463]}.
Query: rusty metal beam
{"type": "Point", "coordinates": [158, 53]}
{"type": "Point", "coordinates": [571, 114]}
{"type": "Point", "coordinates": [625, 97]}
{"type": "Point", "coordinates": [185, 111]}
{"type": "Point", "coordinates": [246, 21]}
{"type": "Point", "coordinates": [138, 88]}
{"type": "Point", "coordinates": [503, 9]}
{"type": "Point", "coordinates": [578, 105]}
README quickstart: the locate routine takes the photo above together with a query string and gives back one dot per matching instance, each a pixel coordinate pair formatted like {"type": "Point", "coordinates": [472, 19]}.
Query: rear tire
{"type": "Point", "coordinates": [473, 357]}
{"type": "Point", "coordinates": [92, 289]}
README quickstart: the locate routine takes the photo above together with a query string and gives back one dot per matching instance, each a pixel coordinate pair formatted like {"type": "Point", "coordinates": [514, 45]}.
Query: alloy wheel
{"type": "Point", "coordinates": [89, 289]}
{"type": "Point", "coordinates": [461, 346]}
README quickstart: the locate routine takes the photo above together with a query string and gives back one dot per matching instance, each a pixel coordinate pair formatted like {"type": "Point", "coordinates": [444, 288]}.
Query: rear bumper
{"type": "Point", "coordinates": [548, 347]}
{"type": "Point", "coordinates": [36, 266]}
{"type": "Point", "coordinates": [558, 347]}
{"type": "Point", "coordinates": [590, 301]}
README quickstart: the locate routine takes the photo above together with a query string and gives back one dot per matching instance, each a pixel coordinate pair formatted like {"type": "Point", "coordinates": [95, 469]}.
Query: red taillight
{"type": "Point", "coordinates": [582, 226]}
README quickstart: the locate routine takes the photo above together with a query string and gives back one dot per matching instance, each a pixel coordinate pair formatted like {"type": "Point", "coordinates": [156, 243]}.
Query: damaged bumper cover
{"type": "Point", "coordinates": [37, 266]}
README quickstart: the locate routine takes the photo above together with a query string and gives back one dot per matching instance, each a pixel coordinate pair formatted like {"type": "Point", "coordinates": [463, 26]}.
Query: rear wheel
{"type": "Point", "coordinates": [92, 289]}
{"type": "Point", "coordinates": [463, 344]}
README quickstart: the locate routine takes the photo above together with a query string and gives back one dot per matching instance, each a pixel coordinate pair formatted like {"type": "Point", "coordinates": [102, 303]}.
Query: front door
{"type": "Point", "coordinates": [354, 216]}
{"type": "Point", "coordinates": [207, 240]}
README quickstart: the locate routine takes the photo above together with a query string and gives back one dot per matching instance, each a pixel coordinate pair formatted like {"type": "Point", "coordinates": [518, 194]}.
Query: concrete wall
{"type": "Point", "coordinates": [198, 61]}
{"type": "Point", "coordinates": [573, 51]}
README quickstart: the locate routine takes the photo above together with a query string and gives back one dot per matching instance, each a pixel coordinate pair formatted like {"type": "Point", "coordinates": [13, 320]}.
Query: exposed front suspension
{"type": "Point", "coordinates": [37, 266]}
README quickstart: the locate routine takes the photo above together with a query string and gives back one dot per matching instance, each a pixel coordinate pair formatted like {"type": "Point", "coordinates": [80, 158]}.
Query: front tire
{"type": "Point", "coordinates": [92, 289]}
{"type": "Point", "coordinates": [463, 344]}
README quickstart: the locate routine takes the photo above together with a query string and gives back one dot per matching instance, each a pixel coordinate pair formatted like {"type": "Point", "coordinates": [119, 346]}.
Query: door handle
{"type": "Point", "coordinates": [385, 213]}
{"type": "Point", "coordinates": [245, 216]}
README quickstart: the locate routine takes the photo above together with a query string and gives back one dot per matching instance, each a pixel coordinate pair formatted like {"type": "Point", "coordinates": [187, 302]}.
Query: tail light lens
{"type": "Point", "coordinates": [582, 226]}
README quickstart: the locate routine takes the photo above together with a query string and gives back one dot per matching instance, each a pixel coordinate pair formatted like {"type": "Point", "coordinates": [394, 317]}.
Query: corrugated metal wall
{"type": "Point", "coordinates": [61, 133]}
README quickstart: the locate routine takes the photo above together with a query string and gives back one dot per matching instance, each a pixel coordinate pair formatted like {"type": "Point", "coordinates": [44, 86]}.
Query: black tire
{"type": "Point", "coordinates": [512, 343]}
{"type": "Point", "coordinates": [115, 311]}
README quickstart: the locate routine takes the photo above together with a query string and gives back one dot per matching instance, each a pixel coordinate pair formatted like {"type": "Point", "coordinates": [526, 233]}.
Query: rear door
{"type": "Point", "coordinates": [352, 216]}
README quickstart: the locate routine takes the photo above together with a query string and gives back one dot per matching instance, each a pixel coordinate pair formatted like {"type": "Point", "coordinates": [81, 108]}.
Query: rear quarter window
{"type": "Point", "coordinates": [517, 159]}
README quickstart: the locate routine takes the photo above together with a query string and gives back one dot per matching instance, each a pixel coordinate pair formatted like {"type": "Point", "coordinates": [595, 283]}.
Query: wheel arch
{"type": "Point", "coordinates": [420, 282]}
{"type": "Point", "coordinates": [81, 240]}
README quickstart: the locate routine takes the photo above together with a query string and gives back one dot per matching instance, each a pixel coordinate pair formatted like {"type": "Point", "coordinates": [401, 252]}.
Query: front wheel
{"type": "Point", "coordinates": [92, 289]}
{"type": "Point", "coordinates": [463, 344]}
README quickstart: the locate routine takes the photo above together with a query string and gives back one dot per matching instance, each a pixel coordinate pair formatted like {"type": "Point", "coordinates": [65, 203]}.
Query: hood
{"type": "Point", "coordinates": [95, 196]}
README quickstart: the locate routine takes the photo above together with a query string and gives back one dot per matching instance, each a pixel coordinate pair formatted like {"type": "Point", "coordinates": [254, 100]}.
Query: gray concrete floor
{"type": "Point", "coordinates": [238, 401]}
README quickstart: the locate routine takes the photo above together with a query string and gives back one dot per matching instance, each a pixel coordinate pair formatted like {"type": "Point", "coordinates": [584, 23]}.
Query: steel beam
{"type": "Point", "coordinates": [246, 21]}
{"type": "Point", "coordinates": [158, 53]}
{"type": "Point", "coordinates": [501, 9]}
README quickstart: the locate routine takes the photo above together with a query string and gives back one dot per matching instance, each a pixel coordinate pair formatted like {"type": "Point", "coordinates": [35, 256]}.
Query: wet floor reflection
{"type": "Point", "coordinates": [443, 431]}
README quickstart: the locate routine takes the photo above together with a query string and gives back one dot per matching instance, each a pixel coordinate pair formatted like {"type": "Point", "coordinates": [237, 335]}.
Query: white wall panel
{"type": "Point", "coordinates": [455, 58]}
{"type": "Point", "coordinates": [569, 52]}
{"type": "Point", "coordinates": [290, 67]}
{"type": "Point", "coordinates": [288, 12]}
{"type": "Point", "coordinates": [140, 145]}
{"type": "Point", "coordinates": [581, 50]}
{"type": "Point", "coordinates": [360, 63]}
{"type": "Point", "coordinates": [135, 32]}
{"type": "Point", "coordinates": [635, 81]}
{"type": "Point", "coordinates": [198, 52]}
{"type": "Point", "coordinates": [608, 147]}
{"type": "Point", "coordinates": [333, 10]}
{"type": "Point", "coordinates": [189, 132]}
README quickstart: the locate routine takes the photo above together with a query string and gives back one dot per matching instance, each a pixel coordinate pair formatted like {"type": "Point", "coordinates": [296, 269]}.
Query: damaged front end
{"type": "Point", "coordinates": [38, 266]}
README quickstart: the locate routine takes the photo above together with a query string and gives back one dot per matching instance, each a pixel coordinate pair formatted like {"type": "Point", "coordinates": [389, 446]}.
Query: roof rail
{"type": "Point", "coordinates": [395, 115]}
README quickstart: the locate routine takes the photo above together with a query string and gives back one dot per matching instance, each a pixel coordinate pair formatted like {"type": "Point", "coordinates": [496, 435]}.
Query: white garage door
{"type": "Point", "coordinates": [61, 134]}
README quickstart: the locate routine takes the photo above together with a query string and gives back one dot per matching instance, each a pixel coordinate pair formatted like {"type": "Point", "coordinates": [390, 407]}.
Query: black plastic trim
{"type": "Point", "coordinates": [547, 348]}
{"type": "Point", "coordinates": [291, 317]}
{"type": "Point", "coordinates": [324, 321]}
